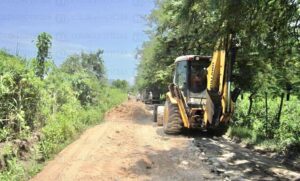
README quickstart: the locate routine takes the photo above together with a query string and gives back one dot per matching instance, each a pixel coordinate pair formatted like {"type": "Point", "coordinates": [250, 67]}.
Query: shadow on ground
{"type": "Point", "coordinates": [173, 164]}
{"type": "Point", "coordinates": [228, 159]}
{"type": "Point", "coordinates": [211, 155]}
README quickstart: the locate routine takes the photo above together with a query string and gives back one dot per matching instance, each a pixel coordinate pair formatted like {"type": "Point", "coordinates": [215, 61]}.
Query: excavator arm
{"type": "Point", "coordinates": [219, 101]}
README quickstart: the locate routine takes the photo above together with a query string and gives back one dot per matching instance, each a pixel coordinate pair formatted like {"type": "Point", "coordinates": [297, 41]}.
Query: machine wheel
{"type": "Point", "coordinates": [156, 116]}
{"type": "Point", "coordinates": [155, 113]}
{"type": "Point", "coordinates": [172, 120]}
{"type": "Point", "coordinates": [159, 121]}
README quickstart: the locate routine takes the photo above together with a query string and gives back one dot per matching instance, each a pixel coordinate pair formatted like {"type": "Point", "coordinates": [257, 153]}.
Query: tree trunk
{"type": "Point", "coordinates": [250, 103]}
{"type": "Point", "coordinates": [280, 109]}
{"type": "Point", "coordinates": [266, 123]}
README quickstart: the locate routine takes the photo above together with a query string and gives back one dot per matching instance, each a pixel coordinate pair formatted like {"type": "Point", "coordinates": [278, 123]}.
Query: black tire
{"type": "Point", "coordinates": [173, 124]}
{"type": "Point", "coordinates": [160, 119]}
{"type": "Point", "coordinates": [155, 113]}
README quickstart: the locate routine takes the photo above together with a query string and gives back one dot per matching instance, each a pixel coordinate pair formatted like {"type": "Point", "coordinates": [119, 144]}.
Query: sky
{"type": "Point", "coordinates": [115, 26]}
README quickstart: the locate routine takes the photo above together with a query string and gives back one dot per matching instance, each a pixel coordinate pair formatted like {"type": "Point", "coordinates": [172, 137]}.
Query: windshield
{"type": "Point", "coordinates": [198, 81]}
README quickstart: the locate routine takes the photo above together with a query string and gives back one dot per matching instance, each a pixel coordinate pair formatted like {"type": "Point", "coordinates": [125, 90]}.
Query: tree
{"type": "Point", "coordinates": [43, 45]}
{"type": "Point", "coordinates": [120, 84]}
{"type": "Point", "coordinates": [91, 63]}
{"type": "Point", "coordinates": [268, 31]}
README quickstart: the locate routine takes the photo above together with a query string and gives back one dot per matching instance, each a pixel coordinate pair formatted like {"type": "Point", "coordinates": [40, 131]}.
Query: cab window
{"type": "Point", "coordinates": [198, 76]}
{"type": "Point", "coordinates": [181, 74]}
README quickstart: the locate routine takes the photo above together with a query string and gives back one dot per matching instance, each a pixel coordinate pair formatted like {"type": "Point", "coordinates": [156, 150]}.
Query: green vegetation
{"type": "Point", "coordinates": [267, 64]}
{"type": "Point", "coordinates": [121, 84]}
{"type": "Point", "coordinates": [268, 130]}
{"type": "Point", "coordinates": [43, 45]}
{"type": "Point", "coordinates": [43, 107]}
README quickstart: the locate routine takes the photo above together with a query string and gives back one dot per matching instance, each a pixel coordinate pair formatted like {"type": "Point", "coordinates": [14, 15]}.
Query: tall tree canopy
{"type": "Point", "coordinates": [91, 63]}
{"type": "Point", "coordinates": [268, 32]}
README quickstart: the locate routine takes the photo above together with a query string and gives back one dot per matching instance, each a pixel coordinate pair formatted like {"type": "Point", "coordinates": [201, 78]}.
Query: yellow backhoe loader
{"type": "Point", "coordinates": [200, 95]}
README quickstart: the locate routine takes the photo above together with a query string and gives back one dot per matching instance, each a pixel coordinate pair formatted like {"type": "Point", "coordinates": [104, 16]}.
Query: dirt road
{"type": "Point", "coordinates": [129, 146]}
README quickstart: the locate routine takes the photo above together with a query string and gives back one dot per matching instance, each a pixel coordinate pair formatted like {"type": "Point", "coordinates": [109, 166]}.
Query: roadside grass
{"type": "Point", "coordinates": [264, 126]}
{"type": "Point", "coordinates": [38, 118]}
{"type": "Point", "coordinates": [251, 137]}
{"type": "Point", "coordinates": [56, 135]}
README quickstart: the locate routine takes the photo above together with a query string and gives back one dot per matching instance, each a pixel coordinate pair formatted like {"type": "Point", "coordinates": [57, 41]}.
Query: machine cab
{"type": "Point", "coordinates": [191, 77]}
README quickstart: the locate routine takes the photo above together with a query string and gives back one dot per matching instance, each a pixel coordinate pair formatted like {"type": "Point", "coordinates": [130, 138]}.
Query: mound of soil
{"type": "Point", "coordinates": [130, 110]}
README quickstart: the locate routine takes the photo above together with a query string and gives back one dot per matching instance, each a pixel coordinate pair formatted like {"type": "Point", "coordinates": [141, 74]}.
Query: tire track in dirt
{"type": "Point", "coordinates": [129, 146]}
{"type": "Point", "coordinates": [125, 147]}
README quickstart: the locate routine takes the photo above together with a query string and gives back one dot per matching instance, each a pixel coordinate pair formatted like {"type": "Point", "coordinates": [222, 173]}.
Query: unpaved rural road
{"type": "Point", "coordinates": [129, 146]}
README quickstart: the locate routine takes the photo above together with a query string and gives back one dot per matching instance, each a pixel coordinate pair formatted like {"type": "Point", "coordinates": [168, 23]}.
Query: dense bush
{"type": "Point", "coordinates": [289, 130]}
{"type": "Point", "coordinates": [259, 127]}
{"type": "Point", "coordinates": [57, 107]}
{"type": "Point", "coordinates": [19, 96]}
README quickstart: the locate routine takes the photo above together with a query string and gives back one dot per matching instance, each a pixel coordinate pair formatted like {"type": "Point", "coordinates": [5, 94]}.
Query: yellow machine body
{"type": "Point", "coordinates": [217, 106]}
